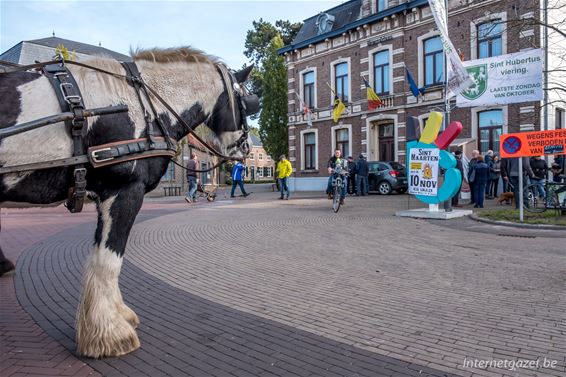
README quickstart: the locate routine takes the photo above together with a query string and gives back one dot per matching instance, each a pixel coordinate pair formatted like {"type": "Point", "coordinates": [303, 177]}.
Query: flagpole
{"type": "Point", "coordinates": [447, 203]}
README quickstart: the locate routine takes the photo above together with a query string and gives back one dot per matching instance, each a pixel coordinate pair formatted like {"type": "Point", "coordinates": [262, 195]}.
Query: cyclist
{"type": "Point", "coordinates": [332, 162]}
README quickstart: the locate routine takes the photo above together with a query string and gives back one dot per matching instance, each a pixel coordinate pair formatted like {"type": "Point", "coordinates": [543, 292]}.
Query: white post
{"type": "Point", "coordinates": [520, 198]}
{"type": "Point", "coordinates": [433, 208]}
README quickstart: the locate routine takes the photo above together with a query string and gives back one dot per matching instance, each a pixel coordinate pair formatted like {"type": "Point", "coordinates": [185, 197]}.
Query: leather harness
{"type": "Point", "coordinates": [70, 99]}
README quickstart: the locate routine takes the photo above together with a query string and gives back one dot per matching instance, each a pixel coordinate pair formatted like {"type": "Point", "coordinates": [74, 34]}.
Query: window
{"type": "Point", "coordinates": [490, 124]}
{"type": "Point", "coordinates": [308, 89]}
{"type": "Point", "coordinates": [268, 158]}
{"type": "Point", "coordinates": [251, 156]}
{"type": "Point", "coordinates": [342, 141]}
{"type": "Point", "coordinates": [260, 157]}
{"type": "Point", "coordinates": [381, 5]}
{"type": "Point", "coordinates": [170, 173]}
{"type": "Point", "coordinates": [341, 81]}
{"type": "Point", "coordinates": [433, 61]}
{"type": "Point", "coordinates": [267, 171]}
{"type": "Point", "coordinates": [559, 119]}
{"type": "Point", "coordinates": [381, 72]}
{"type": "Point", "coordinates": [259, 172]}
{"type": "Point", "coordinates": [204, 176]}
{"type": "Point", "coordinates": [310, 146]}
{"type": "Point", "coordinates": [490, 39]}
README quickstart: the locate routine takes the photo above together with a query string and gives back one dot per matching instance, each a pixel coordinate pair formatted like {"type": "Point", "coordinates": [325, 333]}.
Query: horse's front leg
{"type": "Point", "coordinates": [5, 264]}
{"type": "Point", "coordinates": [105, 325]}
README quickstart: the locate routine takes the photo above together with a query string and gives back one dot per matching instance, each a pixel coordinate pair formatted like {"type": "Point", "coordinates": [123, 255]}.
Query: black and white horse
{"type": "Point", "coordinates": [192, 83]}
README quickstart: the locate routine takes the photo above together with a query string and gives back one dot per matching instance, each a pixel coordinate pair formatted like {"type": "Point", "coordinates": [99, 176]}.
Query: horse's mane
{"type": "Point", "coordinates": [178, 54]}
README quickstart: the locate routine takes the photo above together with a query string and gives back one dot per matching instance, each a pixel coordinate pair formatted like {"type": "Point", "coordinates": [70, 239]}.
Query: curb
{"type": "Point", "coordinates": [517, 225]}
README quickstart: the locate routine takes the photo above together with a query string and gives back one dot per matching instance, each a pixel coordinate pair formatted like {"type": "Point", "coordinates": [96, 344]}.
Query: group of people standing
{"type": "Point", "coordinates": [485, 171]}
{"type": "Point", "coordinates": [356, 179]}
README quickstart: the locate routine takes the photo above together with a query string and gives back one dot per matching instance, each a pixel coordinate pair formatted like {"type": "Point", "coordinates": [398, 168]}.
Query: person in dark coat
{"type": "Point", "coordinates": [471, 175]}
{"type": "Point", "coordinates": [480, 181]}
{"type": "Point", "coordinates": [352, 176]}
{"type": "Point", "coordinates": [540, 168]}
{"type": "Point", "coordinates": [460, 167]}
{"type": "Point", "coordinates": [510, 174]}
{"type": "Point", "coordinates": [488, 159]}
{"type": "Point", "coordinates": [558, 169]}
{"type": "Point", "coordinates": [494, 174]}
{"type": "Point", "coordinates": [362, 172]}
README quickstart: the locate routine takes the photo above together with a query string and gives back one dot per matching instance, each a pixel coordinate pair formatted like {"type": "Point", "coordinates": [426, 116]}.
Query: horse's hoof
{"type": "Point", "coordinates": [113, 342]}
{"type": "Point", "coordinates": [6, 266]}
{"type": "Point", "coordinates": [129, 315]}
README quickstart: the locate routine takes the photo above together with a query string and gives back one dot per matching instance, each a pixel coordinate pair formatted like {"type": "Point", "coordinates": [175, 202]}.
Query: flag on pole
{"type": "Point", "coordinates": [412, 85]}
{"type": "Point", "coordinates": [373, 99]}
{"type": "Point", "coordinates": [306, 110]}
{"type": "Point", "coordinates": [339, 108]}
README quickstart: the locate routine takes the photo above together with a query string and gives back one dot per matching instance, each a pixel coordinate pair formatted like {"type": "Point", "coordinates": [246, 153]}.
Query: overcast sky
{"type": "Point", "coordinates": [217, 27]}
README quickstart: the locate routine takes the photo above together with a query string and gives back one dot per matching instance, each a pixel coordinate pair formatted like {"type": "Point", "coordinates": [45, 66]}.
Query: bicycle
{"type": "Point", "coordinates": [203, 192]}
{"type": "Point", "coordinates": [555, 197]}
{"type": "Point", "coordinates": [338, 182]}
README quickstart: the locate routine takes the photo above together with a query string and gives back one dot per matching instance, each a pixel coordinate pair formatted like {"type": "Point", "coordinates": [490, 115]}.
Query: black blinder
{"type": "Point", "coordinates": [250, 103]}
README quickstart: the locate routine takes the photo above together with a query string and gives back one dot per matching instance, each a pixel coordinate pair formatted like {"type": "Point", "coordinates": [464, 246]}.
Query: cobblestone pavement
{"type": "Point", "coordinates": [265, 287]}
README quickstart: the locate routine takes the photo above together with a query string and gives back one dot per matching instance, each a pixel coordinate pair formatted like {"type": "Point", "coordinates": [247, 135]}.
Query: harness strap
{"type": "Point", "coordinates": [70, 99]}
{"type": "Point", "coordinates": [102, 155]}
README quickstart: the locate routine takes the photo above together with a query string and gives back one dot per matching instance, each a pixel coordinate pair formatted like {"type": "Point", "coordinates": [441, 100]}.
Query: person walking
{"type": "Point", "coordinates": [238, 179]}
{"type": "Point", "coordinates": [494, 174]}
{"type": "Point", "coordinates": [540, 168]}
{"type": "Point", "coordinates": [460, 167]}
{"type": "Point", "coordinates": [510, 174]}
{"type": "Point", "coordinates": [284, 170]}
{"type": "Point", "coordinates": [481, 178]}
{"type": "Point", "coordinates": [362, 172]}
{"type": "Point", "coordinates": [558, 169]}
{"type": "Point", "coordinates": [192, 167]}
{"type": "Point", "coordinates": [471, 175]}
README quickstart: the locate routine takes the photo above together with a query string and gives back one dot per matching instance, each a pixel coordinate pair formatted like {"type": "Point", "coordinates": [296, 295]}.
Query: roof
{"type": "Point", "coordinates": [256, 141]}
{"type": "Point", "coordinates": [80, 47]}
{"type": "Point", "coordinates": [13, 54]}
{"type": "Point", "coordinates": [344, 22]}
{"type": "Point", "coordinates": [344, 14]}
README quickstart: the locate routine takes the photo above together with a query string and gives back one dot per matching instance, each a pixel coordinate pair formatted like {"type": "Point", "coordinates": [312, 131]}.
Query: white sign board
{"type": "Point", "coordinates": [504, 79]}
{"type": "Point", "coordinates": [423, 171]}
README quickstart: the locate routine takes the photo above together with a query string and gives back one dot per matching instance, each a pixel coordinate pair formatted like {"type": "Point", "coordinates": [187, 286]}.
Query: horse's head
{"type": "Point", "coordinates": [228, 119]}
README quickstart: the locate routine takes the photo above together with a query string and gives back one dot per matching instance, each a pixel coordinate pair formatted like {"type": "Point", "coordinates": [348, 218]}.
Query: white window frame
{"type": "Point", "coordinates": [382, 118]}
{"type": "Point", "coordinates": [475, 125]}
{"type": "Point", "coordinates": [420, 59]}
{"type": "Point", "coordinates": [302, 133]}
{"type": "Point", "coordinates": [333, 77]}
{"type": "Point", "coordinates": [301, 87]}
{"type": "Point", "coordinates": [370, 65]}
{"type": "Point", "coordinates": [260, 156]}
{"type": "Point", "coordinates": [474, 32]}
{"type": "Point", "coordinates": [333, 141]}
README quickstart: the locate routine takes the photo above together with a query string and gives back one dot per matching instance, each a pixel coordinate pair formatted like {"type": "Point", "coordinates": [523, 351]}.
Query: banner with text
{"type": "Point", "coordinates": [504, 79]}
{"type": "Point", "coordinates": [458, 77]}
{"type": "Point", "coordinates": [423, 171]}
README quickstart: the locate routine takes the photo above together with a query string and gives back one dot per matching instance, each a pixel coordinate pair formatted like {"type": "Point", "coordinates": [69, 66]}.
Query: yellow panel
{"type": "Point", "coordinates": [432, 127]}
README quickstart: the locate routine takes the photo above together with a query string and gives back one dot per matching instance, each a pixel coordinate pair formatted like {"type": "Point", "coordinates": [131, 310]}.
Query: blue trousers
{"type": "Point", "coordinates": [479, 193]}
{"type": "Point", "coordinates": [239, 183]}
{"type": "Point", "coordinates": [284, 187]}
{"type": "Point", "coordinates": [342, 192]}
{"type": "Point", "coordinates": [192, 180]}
{"type": "Point", "coordinates": [361, 180]}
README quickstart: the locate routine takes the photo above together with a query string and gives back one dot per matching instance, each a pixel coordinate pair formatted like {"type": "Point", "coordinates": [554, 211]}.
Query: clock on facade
{"type": "Point", "coordinates": [324, 23]}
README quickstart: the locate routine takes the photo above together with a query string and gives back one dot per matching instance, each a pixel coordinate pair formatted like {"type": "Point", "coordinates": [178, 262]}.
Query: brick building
{"type": "Point", "coordinates": [259, 165]}
{"type": "Point", "coordinates": [379, 40]}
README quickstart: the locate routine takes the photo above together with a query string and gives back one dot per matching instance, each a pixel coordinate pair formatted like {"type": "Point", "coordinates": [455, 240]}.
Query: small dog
{"type": "Point", "coordinates": [507, 197]}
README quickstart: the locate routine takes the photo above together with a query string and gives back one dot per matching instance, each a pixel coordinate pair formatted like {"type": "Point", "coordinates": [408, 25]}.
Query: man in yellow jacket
{"type": "Point", "coordinates": [284, 170]}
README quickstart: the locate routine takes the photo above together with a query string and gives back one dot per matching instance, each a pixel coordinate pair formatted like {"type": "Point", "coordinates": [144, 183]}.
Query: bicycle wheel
{"type": "Point", "coordinates": [336, 198]}
{"type": "Point", "coordinates": [531, 200]}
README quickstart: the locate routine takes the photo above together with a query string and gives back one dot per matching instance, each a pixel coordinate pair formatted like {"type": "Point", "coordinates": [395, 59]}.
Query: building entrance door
{"type": "Point", "coordinates": [386, 142]}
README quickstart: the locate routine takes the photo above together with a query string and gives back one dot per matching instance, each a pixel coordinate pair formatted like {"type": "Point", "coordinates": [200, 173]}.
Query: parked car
{"type": "Point", "coordinates": [384, 177]}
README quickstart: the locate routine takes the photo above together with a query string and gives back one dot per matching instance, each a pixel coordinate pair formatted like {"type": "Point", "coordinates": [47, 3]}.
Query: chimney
{"type": "Point", "coordinates": [366, 8]}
